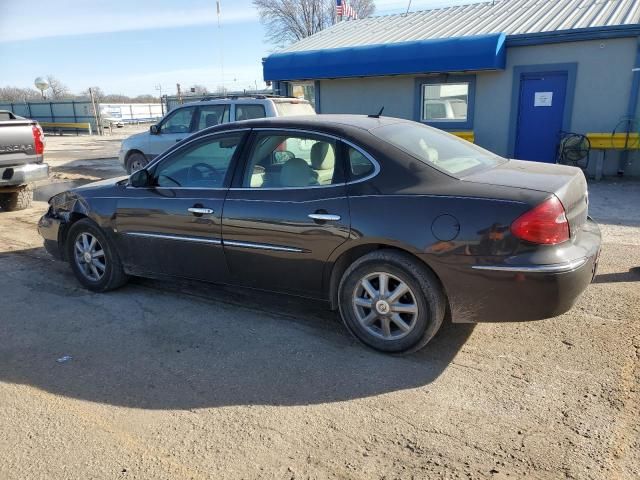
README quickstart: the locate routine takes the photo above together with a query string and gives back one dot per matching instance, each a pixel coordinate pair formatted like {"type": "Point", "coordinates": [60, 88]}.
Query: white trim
{"type": "Point", "coordinates": [550, 268]}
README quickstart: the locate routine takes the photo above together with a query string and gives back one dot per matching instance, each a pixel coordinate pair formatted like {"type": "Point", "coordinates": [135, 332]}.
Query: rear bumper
{"type": "Point", "coordinates": [509, 292]}
{"type": "Point", "coordinates": [20, 175]}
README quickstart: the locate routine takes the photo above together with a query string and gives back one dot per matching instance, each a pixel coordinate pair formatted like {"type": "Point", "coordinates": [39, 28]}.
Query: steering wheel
{"type": "Point", "coordinates": [203, 168]}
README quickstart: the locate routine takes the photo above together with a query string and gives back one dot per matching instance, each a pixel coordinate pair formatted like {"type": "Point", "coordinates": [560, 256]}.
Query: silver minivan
{"type": "Point", "coordinates": [139, 149]}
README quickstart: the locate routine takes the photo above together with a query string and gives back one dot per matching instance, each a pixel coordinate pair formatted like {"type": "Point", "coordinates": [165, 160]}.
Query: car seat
{"type": "Point", "coordinates": [323, 160]}
{"type": "Point", "coordinates": [297, 173]}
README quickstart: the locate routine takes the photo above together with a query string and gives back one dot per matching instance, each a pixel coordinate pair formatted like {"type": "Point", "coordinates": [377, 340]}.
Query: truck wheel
{"type": "Point", "coordinates": [135, 162]}
{"type": "Point", "coordinates": [10, 202]}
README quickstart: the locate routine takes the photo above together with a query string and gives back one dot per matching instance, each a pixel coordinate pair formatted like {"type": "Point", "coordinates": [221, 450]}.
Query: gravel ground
{"type": "Point", "coordinates": [181, 380]}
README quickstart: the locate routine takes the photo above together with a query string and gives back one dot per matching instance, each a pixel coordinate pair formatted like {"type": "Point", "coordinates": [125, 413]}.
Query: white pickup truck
{"type": "Point", "coordinates": [21, 160]}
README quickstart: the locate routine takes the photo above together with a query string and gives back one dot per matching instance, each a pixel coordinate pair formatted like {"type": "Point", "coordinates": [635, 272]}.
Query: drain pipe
{"type": "Point", "coordinates": [631, 108]}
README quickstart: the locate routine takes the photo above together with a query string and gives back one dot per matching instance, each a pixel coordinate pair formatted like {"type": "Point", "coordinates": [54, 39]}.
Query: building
{"type": "Point", "coordinates": [513, 75]}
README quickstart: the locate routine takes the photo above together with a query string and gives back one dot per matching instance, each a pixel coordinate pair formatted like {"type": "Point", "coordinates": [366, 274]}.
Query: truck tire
{"type": "Point", "coordinates": [19, 200]}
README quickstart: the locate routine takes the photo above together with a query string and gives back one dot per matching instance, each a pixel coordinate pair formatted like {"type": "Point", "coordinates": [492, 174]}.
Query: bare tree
{"type": "Point", "coordinates": [288, 21]}
{"type": "Point", "coordinates": [17, 94]}
{"type": "Point", "coordinates": [98, 94]}
{"type": "Point", "coordinates": [147, 98]}
{"type": "Point", "coordinates": [57, 90]}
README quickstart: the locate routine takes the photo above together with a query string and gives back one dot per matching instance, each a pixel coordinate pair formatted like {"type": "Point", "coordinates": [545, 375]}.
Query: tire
{"type": "Point", "coordinates": [413, 318]}
{"type": "Point", "coordinates": [111, 275]}
{"type": "Point", "coordinates": [136, 161]}
{"type": "Point", "coordinates": [20, 200]}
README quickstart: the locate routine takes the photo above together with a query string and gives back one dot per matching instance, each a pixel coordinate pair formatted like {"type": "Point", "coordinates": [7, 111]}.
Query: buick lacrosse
{"type": "Point", "coordinates": [395, 224]}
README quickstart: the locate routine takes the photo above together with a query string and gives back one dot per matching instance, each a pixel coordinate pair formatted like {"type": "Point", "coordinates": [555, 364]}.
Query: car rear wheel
{"type": "Point", "coordinates": [390, 302]}
{"type": "Point", "coordinates": [136, 161]}
{"type": "Point", "coordinates": [93, 259]}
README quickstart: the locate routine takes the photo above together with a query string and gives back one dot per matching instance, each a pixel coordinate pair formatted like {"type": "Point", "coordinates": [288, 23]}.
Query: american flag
{"type": "Point", "coordinates": [343, 9]}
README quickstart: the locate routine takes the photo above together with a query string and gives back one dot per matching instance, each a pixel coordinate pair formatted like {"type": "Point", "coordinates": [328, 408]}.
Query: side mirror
{"type": "Point", "coordinates": [141, 178]}
{"type": "Point", "coordinates": [154, 129]}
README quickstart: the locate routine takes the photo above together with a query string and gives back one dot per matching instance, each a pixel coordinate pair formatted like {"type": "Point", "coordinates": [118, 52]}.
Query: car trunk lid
{"type": "Point", "coordinates": [566, 183]}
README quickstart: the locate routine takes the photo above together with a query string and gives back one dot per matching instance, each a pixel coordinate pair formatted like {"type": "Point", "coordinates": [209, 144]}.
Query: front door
{"type": "Point", "coordinates": [540, 115]}
{"type": "Point", "coordinates": [288, 213]}
{"type": "Point", "coordinates": [173, 227]}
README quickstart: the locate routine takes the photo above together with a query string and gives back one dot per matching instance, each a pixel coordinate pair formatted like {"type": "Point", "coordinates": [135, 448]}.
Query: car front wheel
{"type": "Point", "coordinates": [391, 302]}
{"type": "Point", "coordinates": [93, 258]}
{"type": "Point", "coordinates": [136, 161]}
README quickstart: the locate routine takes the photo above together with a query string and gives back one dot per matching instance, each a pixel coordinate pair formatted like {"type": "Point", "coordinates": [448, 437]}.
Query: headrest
{"type": "Point", "coordinates": [322, 156]}
{"type": "Point", "coordinates": [211, 119]}
{"type": "Point", "coordinates": [295, 173]}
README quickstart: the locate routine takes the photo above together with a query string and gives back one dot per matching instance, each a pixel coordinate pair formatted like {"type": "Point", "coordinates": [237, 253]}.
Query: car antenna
{"type": "Point", "coordinates": [378, 114]}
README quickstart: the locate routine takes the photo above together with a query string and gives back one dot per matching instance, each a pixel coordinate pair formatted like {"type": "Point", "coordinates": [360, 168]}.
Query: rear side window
{"type": "Point", "coordinates": [212, 115]}
{"type": "Point", "coordinates": [247, 112]}
{"type": "Point", "coordinates": [359, 165]}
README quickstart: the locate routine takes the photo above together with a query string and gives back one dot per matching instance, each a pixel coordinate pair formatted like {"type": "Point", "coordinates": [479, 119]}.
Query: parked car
{"type": "Point", "coordinates": [21, 160]}
{"type": "Point", "coordinates": [138, 150]}
{"type": "Point", "coordinates": [390, 221]}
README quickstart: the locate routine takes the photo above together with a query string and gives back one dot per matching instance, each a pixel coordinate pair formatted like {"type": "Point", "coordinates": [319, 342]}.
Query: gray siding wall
{"type": "Point", "coordinates": [603, 84]}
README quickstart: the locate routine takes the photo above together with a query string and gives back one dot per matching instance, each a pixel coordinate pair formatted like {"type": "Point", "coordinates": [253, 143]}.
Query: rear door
{"type": "Point", "coordinates": [287, 213]}
{"type": "Point", "coordinates": [175, 127]}
{"type": "Point", "coordinates": [174, 226]}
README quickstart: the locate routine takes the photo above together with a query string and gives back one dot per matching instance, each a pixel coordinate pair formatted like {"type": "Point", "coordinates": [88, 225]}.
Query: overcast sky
{"type": "Point", "coordinates": [130, 47]}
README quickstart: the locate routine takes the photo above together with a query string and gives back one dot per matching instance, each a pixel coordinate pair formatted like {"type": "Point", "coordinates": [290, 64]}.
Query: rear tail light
{"type": "Point", "coordinates": [545, 224]}
{"type": "Point", "coordinates": [38, 139]}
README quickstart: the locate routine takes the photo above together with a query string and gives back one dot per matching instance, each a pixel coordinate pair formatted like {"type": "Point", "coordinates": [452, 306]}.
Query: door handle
{"type": "Point", "coordinates": [326, 217]}
{"type": "Point", "coordinates": [200, 211]}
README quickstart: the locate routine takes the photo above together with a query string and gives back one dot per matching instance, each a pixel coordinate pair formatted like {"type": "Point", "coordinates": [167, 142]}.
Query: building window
{"type": "Point", "coordinates": [304, 90]}
{"type": "Point", "coordinates": [446, 102]}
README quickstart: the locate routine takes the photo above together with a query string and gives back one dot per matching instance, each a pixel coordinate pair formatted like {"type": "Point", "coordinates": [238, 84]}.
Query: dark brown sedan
{"type": "Point", "coordinates": [393, 223]}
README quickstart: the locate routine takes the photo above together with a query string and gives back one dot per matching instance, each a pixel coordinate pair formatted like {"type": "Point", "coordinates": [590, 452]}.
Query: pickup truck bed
{"type": "Point", "coordinates": [21, 160]}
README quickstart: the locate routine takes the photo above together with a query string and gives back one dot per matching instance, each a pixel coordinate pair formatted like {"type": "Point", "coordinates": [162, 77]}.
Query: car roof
{"type": "Point", "coordinates": [244, 99]}
{"type": "Point", "coordinates": [325, 122]}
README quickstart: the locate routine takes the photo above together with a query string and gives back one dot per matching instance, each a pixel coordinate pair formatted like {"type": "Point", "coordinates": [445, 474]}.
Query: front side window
{"type": "Point", "coordinates": [438, 149]}
{"type": "Point", "coordinates": [203, 165]}
{"type": "Point", "coordinates": [212, 115]}
{"type": "Point", "coordinates": [445, 102]}
{"type": "Point", "coordinates": [289, 161]}
{"type": "Point", "coordinates": [247, 112]}
{"type": "Point", "coordinates": [179, 121]}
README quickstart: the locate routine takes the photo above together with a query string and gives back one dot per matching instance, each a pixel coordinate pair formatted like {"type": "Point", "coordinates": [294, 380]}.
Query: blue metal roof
{"type": "Point", "coordinates": [481, 52]}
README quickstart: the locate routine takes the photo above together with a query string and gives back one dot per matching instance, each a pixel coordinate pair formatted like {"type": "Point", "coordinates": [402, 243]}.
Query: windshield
{"type": "Point", "coordinates": [294, 108]}
{"type": "Point", "coordinates": [452, 155]}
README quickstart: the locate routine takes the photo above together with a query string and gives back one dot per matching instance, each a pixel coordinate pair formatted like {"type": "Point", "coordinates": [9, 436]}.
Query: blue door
{"type": "Point", "coordinates": [540, 115]}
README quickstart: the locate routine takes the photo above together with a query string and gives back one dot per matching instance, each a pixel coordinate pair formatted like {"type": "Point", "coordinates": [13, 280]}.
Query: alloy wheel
{"type": "Point", "coordinates": [90, 256]}
{"type": "Point", "coordinates": [385, 306]}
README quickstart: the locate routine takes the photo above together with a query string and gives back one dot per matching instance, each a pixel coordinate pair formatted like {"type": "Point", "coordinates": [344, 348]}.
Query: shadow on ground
{"type": "Point", "coordinates": [164, 345]}
{"type": "Point", "coordinates": [633, 275]}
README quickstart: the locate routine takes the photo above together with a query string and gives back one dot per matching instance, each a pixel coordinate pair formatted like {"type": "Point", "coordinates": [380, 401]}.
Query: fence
{"type": "Point", "coordinates": [67, 111]}
{"type": "Point", "coordinates": [81, 111]}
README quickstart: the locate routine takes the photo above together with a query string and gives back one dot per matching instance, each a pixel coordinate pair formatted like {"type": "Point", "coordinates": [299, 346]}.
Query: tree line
{"type": "Point", "coordinates": [59, 91]}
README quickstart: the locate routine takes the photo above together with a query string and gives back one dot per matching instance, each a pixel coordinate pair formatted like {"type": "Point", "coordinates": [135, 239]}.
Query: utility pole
{"type": "Point", "coordinates": [179, 93]}
{"type": "Point", "coordinates": [221, 44]}
{"type": "Point", "coordinates": [159, 88]}
{"type": "Point", "coordinates": [95, 111]}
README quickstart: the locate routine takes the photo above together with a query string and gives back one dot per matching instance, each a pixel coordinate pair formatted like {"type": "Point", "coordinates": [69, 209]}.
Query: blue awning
{"type": "Point", "coordinates": [482, 52]}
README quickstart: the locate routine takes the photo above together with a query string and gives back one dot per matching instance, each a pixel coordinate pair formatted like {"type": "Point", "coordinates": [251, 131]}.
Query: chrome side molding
{"type": "Point", "coordinates": [550, 268]}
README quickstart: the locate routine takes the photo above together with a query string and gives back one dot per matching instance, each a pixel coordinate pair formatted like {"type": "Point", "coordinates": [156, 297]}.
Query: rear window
{"type": "Point", "coordinates": [294, 108]}
{"type": "Point", "coordinates": [452, 155]}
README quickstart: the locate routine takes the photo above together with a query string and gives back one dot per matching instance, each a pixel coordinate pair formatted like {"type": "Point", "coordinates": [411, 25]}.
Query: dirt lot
{"type": "Point", "coordinates": [185, 380]}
